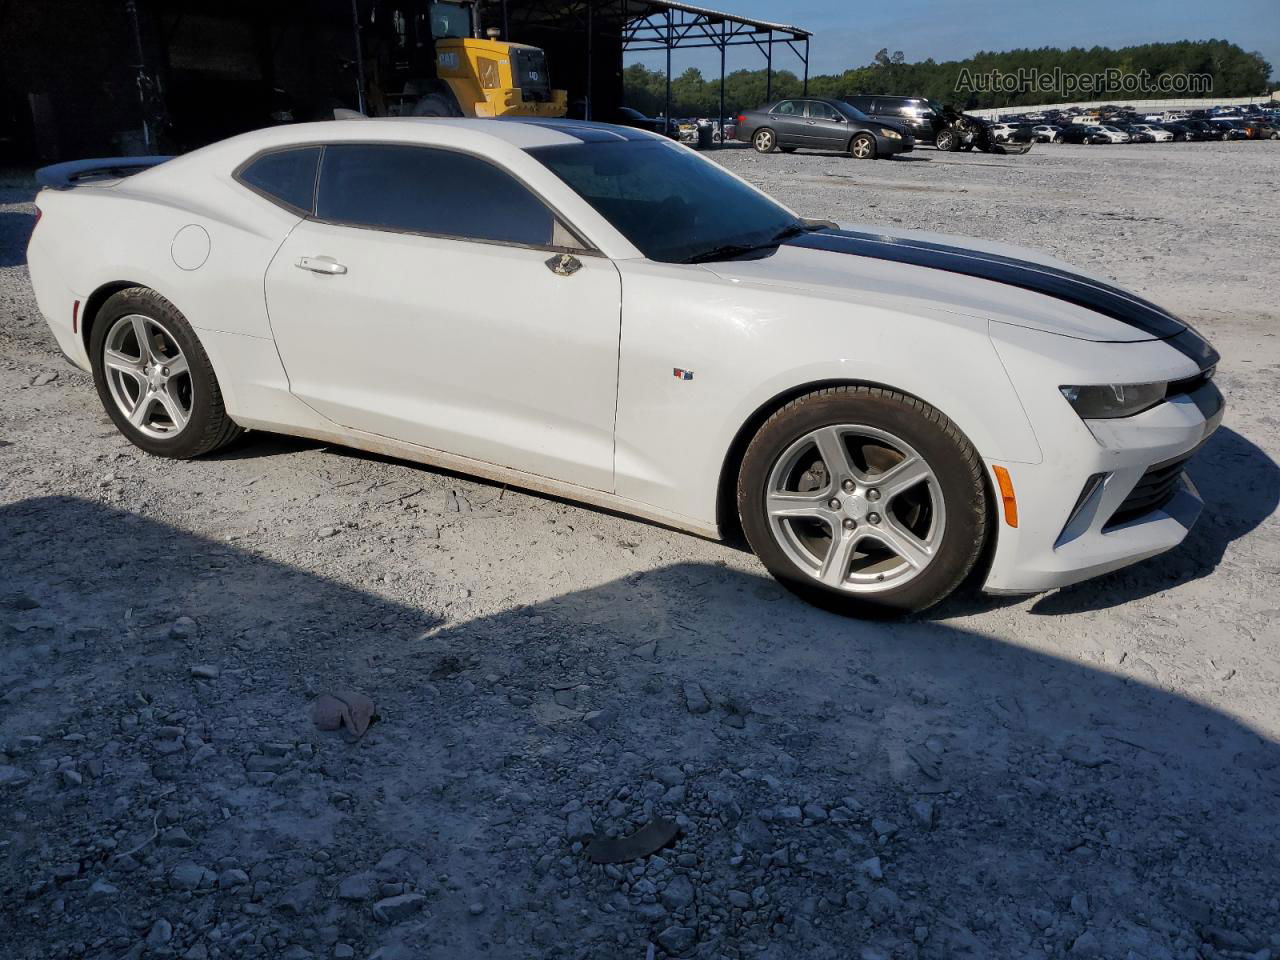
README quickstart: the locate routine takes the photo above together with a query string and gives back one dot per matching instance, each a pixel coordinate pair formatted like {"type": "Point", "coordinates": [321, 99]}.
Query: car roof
{"type": "Point", "coordinates": [489, 137]}
{"type": "Point", "coordinates": [462, 132]}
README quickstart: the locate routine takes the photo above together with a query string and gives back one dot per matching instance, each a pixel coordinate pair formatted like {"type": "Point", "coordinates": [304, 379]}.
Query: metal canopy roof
{"type": "Point", "coordinates": [643, 9]}
{"type": "Point", "coordinates": [661, 26]}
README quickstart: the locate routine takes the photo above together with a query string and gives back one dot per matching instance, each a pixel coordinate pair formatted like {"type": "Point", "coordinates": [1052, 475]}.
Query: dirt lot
{"type": "Point", "coordinates": [1093, 772]}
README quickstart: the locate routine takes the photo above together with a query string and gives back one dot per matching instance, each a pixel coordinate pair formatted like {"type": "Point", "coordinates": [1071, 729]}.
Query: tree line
{"type": "Point", "coordinates": [1231, 71]}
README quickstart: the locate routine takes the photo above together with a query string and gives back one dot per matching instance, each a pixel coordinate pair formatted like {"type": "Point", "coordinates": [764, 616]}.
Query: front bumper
{"type": "Point", "coordinates": [886, 146]}
{"type": "Point", "coordinates": [1107, 493]}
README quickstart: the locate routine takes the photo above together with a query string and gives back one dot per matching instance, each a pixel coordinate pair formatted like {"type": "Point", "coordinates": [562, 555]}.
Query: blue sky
{"type": "Point", "coordinates": [848, 34]}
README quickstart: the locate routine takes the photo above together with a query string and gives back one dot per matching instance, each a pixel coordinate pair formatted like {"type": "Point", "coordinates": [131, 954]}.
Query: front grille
{"type": "Point", "coordinates": [1155, 488]}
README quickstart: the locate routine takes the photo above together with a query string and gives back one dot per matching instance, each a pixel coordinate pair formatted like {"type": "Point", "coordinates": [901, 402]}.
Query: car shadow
{"type": "Point", "coordinates": [840, 787]}
{"type": "Point", "coordinates": [258, 444]}
{"type": "Point", "coordinates": [1240, 484]}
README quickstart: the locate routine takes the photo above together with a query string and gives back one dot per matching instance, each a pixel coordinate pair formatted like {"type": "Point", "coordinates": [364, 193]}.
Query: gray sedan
{"type": "Point", "coordinates": [821, 124]}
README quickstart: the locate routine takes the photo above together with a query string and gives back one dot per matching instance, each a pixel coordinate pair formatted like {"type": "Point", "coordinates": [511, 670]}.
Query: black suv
{"type": "Point", "coordinates": [922, 118]}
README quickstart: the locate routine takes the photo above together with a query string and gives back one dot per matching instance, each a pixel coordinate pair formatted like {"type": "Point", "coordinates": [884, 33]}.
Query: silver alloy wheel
{"type": "Point", "coordinates": [859, 519]}
{"type": "Point", "coordinates": [148, 376]}
{"type": "Point", "coordinates": [764, 141]}
{"type": "Point", "coordinates": [862, 147]}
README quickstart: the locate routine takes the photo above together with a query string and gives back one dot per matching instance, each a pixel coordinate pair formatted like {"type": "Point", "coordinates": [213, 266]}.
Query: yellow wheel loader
{"type": "Point", "coordinates": [434, 54]}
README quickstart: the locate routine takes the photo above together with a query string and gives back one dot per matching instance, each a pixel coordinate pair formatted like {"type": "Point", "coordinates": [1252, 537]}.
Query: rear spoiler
{"type": "Point", "coordinates": [64, 176]}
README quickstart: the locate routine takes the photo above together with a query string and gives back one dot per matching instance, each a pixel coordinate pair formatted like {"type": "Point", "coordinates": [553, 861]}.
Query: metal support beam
{"type": "Point", "coordinates": [144, 80]}
{"type": "Point", "coordinates": [666, 112]}
{"type": "Point", "coordinates": [806, 66]}
{"type": "Point", "coordinates": [361, 105]}
{"type": "Point", "coordinates": [768, 68]}
{"type": "Point", "coordinates": [590, 55]}
{"type": "Point", "coordinates": [720, 118]}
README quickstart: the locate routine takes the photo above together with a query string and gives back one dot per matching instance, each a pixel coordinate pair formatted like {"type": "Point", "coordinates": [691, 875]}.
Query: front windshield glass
{"type": "Point", "coordinates": [450, 20]}
{"type": "Point", "coordinates": [670, 203]}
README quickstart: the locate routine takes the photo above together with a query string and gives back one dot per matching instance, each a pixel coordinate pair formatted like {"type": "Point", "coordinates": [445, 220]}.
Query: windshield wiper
{"type": "Point", "coordinates": [724, 252]}
{"type": "Point", "coordinates": [729, 250]}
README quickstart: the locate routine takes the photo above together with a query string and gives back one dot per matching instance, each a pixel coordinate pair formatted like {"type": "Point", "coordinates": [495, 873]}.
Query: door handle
{"type": "Point", "coordinates": [326, 265]}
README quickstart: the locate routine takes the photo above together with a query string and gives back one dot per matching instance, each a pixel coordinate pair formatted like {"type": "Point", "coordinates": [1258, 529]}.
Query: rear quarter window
{"type": "Point", "coordinates": [286, 176]}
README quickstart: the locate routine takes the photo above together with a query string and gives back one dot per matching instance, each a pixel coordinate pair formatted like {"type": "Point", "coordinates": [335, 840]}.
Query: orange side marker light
{"type": "Point", "coordinates": [1006, 496]}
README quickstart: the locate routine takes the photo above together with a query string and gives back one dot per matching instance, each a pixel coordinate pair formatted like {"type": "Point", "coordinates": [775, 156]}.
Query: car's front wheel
{"type": "Point", "coordinates": [155, 379]}
{"type": "Point", "coordinates": [764, 140]}
{"type": "Point", "coordinates": [864, 499]}
{"type": "Point", "coordinates": [863, 147]}
{"type": "Point", "coordinates": [947, 140]}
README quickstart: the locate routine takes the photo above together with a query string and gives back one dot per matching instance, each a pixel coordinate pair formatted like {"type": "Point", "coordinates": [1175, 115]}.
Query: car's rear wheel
{"type": "Point", "coordinates": [155, 379]}
{"type": "Point", "coordinates": [764, 140]}
{"type": "Point", "coordinates": [863, 499]}
{"type": "Point", "coordinates": [863, 147]}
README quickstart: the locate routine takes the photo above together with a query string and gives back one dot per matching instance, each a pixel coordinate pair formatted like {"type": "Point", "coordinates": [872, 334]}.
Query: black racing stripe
{"type": "Point", "coordinates": [1091, 294]}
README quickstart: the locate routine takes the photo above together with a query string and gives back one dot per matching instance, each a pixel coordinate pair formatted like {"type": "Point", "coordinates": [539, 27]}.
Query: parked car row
{"type": "Point", "coordinates": [1146, 132]}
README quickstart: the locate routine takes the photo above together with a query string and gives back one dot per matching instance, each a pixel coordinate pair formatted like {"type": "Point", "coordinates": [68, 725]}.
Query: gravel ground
{"type": "Point", "coordinates": [1094, 772]}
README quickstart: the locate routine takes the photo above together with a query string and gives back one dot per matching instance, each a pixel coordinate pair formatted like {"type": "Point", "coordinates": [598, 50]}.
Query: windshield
{"type": "Point", "coordinates": [450, 20]}
{"type": "Point", "coordinates": [670, 203]}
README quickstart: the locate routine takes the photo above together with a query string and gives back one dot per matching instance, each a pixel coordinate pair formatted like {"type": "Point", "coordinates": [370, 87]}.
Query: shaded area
{"type": "Point", "coordinates": [1240, 484]}
{"type": "Point", "coordinates": [907, 790]}
{"type": "Point", "coordinates": [15, 232]}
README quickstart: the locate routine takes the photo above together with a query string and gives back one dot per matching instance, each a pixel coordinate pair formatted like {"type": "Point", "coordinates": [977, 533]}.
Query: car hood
{"type": "Point", "coordinates": [861, 279]}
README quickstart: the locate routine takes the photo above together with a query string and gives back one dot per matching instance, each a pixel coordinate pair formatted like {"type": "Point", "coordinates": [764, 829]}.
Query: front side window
{"type": "Point", "coordinates": [821, 111]}
{"type": "Point", "coordinates": [430, 191]}
{"type": "Point", "coordinates": [286, 176]}
{"type": "Point", "coordinates": [669, 202]}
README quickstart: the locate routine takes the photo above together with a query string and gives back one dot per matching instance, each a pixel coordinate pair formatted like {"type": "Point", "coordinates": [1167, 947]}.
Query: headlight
{"type": "Point", "coordinates": [1111, 400]}
{"type": "Point", "coordinates": [891, 134]}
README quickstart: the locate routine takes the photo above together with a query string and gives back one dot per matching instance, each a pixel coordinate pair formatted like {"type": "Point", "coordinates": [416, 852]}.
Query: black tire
{"type": "Point", "coordinates": [437, 105]}
{"type": "Point", "coordinates": [209, 426]}
{"type": "Point", "coordinates": [764, 140]}
{"type": "Point", "coordinates": [863, 141]}
{"type": "Point", "coordinates": [947, 452]}
{"type": "Point", "coordinates": [948, 141]}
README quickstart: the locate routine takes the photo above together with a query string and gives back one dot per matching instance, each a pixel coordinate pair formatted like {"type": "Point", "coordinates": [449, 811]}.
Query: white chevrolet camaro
{"type": "Point", "coordinates": [603, 314]}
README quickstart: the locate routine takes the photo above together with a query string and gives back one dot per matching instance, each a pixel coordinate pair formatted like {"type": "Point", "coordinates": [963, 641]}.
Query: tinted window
{"type": "Point", "coordinates": [423, 190]}
{"type": "Point", "coordinates": [820, 111]}
{"type": "Point", "coordinates": [790, 108]}
{"type": "Point", "coordinates": [859, 103]}
{"type": "Point", "coordinates": [665, 199]}
{"type": "Point", "coordinates": [287, 175]}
